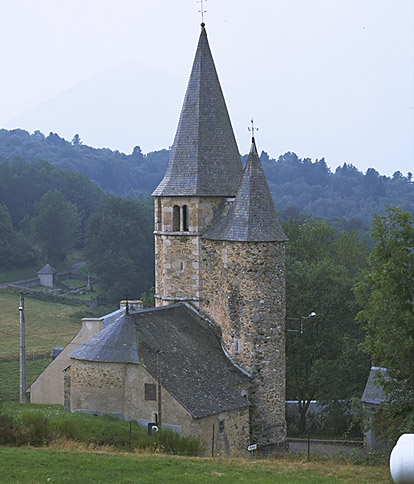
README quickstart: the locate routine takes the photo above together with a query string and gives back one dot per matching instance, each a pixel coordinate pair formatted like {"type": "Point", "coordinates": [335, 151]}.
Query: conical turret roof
{"type": "Point", "coordinates": [204, 159]}
{"type": "Point", "coordinates": [252, 216]}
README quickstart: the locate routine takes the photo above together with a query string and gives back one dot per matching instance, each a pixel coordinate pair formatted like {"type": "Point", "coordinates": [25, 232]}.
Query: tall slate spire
{"type": "Point", "coordinates": [252, 216]}
{"type": "Point", "coordinates": [204, 159]}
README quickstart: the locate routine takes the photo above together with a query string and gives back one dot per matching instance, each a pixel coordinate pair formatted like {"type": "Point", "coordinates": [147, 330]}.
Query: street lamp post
{"type": "Point", "coordinates": [312, 314]}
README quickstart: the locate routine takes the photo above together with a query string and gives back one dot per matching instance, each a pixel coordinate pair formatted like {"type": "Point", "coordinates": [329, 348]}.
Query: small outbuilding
{"type": "Point", "coordinates": [47, 276]}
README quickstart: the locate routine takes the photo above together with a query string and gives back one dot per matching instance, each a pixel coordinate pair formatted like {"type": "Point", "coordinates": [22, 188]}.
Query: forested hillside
{"type": "Point", "coordinates": [47, 213]}
{"type": "Point", "coordinates": [295, 183]}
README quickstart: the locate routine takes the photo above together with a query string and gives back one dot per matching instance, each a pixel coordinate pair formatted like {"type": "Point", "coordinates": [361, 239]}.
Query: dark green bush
{"type": "Point", "coordinates": [39, 425]}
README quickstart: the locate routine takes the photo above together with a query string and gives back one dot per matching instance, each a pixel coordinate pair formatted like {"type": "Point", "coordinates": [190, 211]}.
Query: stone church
{"type": "Point", "coordinates": [209, 359]}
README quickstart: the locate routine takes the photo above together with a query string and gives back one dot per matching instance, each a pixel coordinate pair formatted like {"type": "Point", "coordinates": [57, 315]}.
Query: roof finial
{"type": "Point", "coordinates": [252, 129]}
{"type": "Point", "coordinates": [202, 11]}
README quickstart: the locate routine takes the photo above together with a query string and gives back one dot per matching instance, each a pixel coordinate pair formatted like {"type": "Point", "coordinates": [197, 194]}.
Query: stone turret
{"type": "Point", "coordinates": [203, 170]}
{"type": "Point", "coordinates": [244, 292]}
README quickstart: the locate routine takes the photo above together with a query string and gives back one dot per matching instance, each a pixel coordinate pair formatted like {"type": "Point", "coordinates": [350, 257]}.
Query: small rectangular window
{"type": "Point", "coordinates": [150, 391]}
{"type": "Point", "coordinates": [221, 426]}
{"type": "Point", "coordinates": [236, 346]}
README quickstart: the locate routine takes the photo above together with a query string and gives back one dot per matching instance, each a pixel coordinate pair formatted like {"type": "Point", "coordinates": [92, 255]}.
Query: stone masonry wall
{"type": "Point", "coordinates": [97, 387]}
{"type": "Point", "coordinates": [119, 389]}
{"type": "Point", "coordinates": [234, 439]}
{"type": "Point", "coordinates": [244, 292]}
{"type": "Point", "coordinates": [177, 252]}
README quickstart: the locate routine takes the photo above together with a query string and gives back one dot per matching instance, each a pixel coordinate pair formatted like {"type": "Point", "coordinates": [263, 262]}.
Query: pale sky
{"type": "Point", "coordinates": [322, 78]}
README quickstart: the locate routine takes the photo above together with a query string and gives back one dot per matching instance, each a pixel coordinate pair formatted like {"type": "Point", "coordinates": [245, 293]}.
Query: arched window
{"type": "Point", "coordinates": [185, 218]}
{"type": "Point", "coordinates": [176, 218]}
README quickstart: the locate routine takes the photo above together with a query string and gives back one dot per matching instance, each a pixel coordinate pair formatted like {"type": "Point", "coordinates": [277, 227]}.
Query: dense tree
{"type": "Point", "coordinates": [76, 141]}
{"type": "Point", "coordinates": [23, 183]}
{"type": "Point", "coordinates": [119, 245]}
{"type": "Point", "coordinates": [14, 250]}
{"type": "Point", "coordinates": [323, 361]}
{"type": "Point", "coordinates": [387, 297]}
{"type": "Point", "coordinates": [55, 225]}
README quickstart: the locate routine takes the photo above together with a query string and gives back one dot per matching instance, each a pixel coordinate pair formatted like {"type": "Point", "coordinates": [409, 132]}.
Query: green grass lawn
{"type": "Point", "coordinates": [74, 283]}
{"type": "Point", "coordinates": [9, 376]}
{"type": "Point", "coordinates": [26, 465]}
{"type": "Point", "coordinates": [48, 324]}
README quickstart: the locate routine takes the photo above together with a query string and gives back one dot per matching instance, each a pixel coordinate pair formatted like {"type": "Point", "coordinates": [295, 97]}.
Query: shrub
{"type": "Point", "coordinates": [39, 425]}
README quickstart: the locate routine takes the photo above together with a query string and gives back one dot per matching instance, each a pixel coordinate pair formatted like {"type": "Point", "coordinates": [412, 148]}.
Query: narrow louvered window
{"type": "Point", "coordinates": [185, 218]}
{"type": "Point", "coordinates": [176, 218]}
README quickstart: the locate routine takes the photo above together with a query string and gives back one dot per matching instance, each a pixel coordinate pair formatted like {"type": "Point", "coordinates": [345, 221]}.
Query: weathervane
{"type": "Point", "coordinates": [253, 128]}
{"type": "Point", "coordinates": [202, 11]}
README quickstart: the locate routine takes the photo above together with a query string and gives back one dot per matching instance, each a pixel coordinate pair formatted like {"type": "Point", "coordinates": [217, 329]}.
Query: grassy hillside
{"type": "Point", "coordinates": [19, 274]}
{"type": "Point", "coordinates": [48, 324]}
{"type": "Point", "coordinates": [9, 376]}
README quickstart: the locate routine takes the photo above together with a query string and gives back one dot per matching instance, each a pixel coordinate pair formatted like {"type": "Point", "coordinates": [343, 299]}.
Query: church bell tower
{"type": "Point", "coordinates": [204, 169]}
{"type": "Point", "coordinates": [219, 246]}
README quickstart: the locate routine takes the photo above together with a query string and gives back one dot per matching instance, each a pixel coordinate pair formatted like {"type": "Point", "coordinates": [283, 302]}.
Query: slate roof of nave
{"type": "Point", "coordinates": [252, 216]}
{"type": "Point", "coordinates": [194, 368]}
{"type": "Point", "coordinates": [204, 159]}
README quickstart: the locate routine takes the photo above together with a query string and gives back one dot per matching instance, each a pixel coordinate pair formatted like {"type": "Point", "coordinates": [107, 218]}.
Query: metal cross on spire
{"type": "Point", "coordinates": [202, 11]}
{"type": "Point", "coordinates": [252, 128]}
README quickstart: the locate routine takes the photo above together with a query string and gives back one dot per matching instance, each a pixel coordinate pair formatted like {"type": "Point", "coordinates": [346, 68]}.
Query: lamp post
{"type": "Point", "coordinates": [312, 314]}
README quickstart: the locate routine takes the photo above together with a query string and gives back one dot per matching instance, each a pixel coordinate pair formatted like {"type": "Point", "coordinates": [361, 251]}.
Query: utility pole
{"type": "Point", "coordinates": [159, 422]}
{"type": "Point", "coordinates": [22, 398]}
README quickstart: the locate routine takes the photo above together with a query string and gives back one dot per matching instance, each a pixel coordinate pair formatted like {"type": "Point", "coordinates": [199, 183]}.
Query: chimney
{"type": "Point", "coordinates": [133, 304]}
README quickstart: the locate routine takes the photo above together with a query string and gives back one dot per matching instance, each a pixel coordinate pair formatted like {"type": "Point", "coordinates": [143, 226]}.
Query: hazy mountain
{"type": "Point", "coordinates": [127, 105]}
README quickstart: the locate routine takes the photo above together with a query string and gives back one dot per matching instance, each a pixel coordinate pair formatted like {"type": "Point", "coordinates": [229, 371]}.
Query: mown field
{"type": "Point", "coordinates": [48, 324]}
{"type": "Point", "coordinates": [24, 465]}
